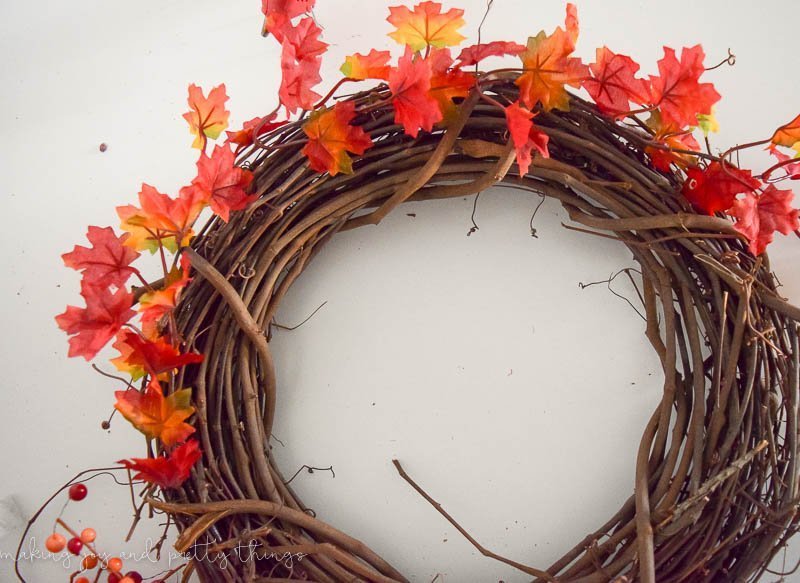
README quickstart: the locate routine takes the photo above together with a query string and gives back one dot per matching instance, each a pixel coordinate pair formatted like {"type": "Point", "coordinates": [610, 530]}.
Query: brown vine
{"type": "Point", "coordinates": [715, 488]}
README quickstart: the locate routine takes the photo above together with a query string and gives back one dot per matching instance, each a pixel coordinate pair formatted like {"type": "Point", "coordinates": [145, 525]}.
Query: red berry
{"type": "Point", "coordinates": [89, 562]}
{"type": "Point", "coordinates": [55, 543]}
{"type": "Point", "coordinates": [115, 565]}
{"type": "Point", "coordinates": [81, 580]}
{"type": "Point", "coordinates": [135, 576]}
{"type": "Point", "coordinates": [77, 492]}
{"type": "Point", "coordinates": [114, 578]}
{"type": "Point", "coordinates": [75, 545]}
{"type": "Point", "coordinates": [126, 580]}
{"type": "Point", "coordinates": [88, 535]}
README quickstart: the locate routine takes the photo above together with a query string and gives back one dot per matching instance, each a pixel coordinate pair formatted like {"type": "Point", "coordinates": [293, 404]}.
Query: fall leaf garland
{"type": "Point", "coordinates": [426, 83]}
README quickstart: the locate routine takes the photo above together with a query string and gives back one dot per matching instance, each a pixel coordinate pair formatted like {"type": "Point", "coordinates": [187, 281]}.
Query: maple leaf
{"type": "Point", "coordinates": [525, 136]}
{"type": "Point", "coordinates": [788, 134]}
{"type": "Point", "coordinates": [222, 183]}
{"type": "Point", "coordinates": [155, 305]}
{"type": "Point", "coordinates": [673, 138]}
{"type": "Point", "coordinates": [330, 137]}
{"type": "Point", "coordinates": [677, 91]}
{"type": "Point", "coordinates": [140, 355]}
{"type": "Point", "coordinates": [247, 135]}
{"type": "Point", "coordinates": [548, 67]}
{"type": "Point", "coordinates": [792, 169]}
{"type": "Point", "coordinates": [156, 416]}
{"type": "Point", "coordinates": [714, 188]}
{"type": "Point", "coordinates": [278, 12]}
{"type": "Point", "coordinates": [410, 83]}
{"type": "Point", "coordinates": [207, 116]}
{"type": "Point", "coordinates": [474, 54]}
{"type": "Point", "coordinates": [297, 80]}
{"type": "Point", "coordinates": [447, 83]}
{"type": "Point", "coordinates": [708, 123]}
{"type": "Point", "coordinates": [92, 327]}
{"type": "Point", "coordinates": [426, 25]}
{"type": "Point", "coordinates": [613, 83]}
{"type": "Point", "coordinates": [107, 261]}
{"type": "Point", "coordinates": [160, 220]}
{"type": "Point", "coordinates": [758, 217]}
{"type": "Point", "coordinates": [571, 23]}
{"type": "Point", "coordinates": [373, 65]}
{"type": "Point", "coordinates": [304, 40]}
{"type": "Point", "coordinates": [166, 471]}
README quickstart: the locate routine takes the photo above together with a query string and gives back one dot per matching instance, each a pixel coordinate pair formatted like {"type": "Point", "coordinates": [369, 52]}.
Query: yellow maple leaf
{"type": "Point", "coordinates": [426, 25]}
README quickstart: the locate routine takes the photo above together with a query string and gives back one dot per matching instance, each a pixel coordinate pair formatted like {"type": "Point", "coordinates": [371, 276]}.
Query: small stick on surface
{"type": "Point", "coordinates": [483, 550]}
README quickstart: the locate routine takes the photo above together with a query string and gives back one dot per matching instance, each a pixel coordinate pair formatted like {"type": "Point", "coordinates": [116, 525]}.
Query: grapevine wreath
{"type": "Point", "coordinates": [716, 480]}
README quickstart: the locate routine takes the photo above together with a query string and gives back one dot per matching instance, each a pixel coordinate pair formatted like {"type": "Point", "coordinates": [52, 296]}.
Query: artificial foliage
{"type": "Point", "coordinates": [716, 475]}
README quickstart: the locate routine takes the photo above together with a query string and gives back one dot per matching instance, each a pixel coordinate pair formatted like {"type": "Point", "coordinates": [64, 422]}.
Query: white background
{"type": "Point", "coordinates": [514, 397]}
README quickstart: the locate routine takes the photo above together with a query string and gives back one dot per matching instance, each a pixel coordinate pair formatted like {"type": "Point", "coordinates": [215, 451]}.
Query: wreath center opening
{"type": "Point", "coordinates": [474, 360]}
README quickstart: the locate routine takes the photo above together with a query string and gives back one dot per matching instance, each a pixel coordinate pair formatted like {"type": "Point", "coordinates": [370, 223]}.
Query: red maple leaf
{"type": "Point", "coordinates": [247, 135]}
{"type": "Point", "coordinates": [792, 169]}
{"type": "Point", "coordinates": [222, 183]}
{"type": "Point", "coordinates": [474, 54]}
{"type": "Point", "coordinates": [153, 356]}
{"type": "Point", "coordinates": [410, 83]}
{"type": "Point", "coordinates": [758, 217]}
{"type": "Point", "coordinates": [297, 80]}
{"type": "Point", "coordinates": [714, 188]}
{"type": "Point", "coordinates": [107, 261]}
{"type": "Point", "coordinates": [93, 326]}
{"type": "Point", "coordinates": [304, 39]}
{"type": "Point", "coordinates": [278, 12]}
{"type": "Point", "coordinates": [677, 91]}
{"type": "Point", "coordinates": [168, 471]}
{"type": "Point", "coordinates": [613, 83]}
{"type": "Point", "coordinates": [525, 136]}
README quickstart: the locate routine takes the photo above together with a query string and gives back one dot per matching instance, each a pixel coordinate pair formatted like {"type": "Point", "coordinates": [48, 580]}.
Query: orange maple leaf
{"type": "Point", "coordinates": [788, 134]}
{"type": "Point", "coordinates": [373, 65]}
{"type": "Point", "coordinates": [447, 83]}
{"type": "Point", "coordinates": [155, 305]}
{"type": "Point", "coordinates": [330, 137]}
{"type": "Point", "coordinates": [426, 25]}
{"type": "Point", "coordinates": [549, 67]}
{"type": "Point", "coordinates": [161, 220]}
{"type": "Point", "coordinates": [207, 116]}
{"type": "Point", "coordinates": [668, 136]}
{"type": "Point", "coordinates": [156, 416]}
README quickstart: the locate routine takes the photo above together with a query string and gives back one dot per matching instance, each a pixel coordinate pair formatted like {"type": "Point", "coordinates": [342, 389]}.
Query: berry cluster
{"type": "Point", "coordinates": [83, 544]}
